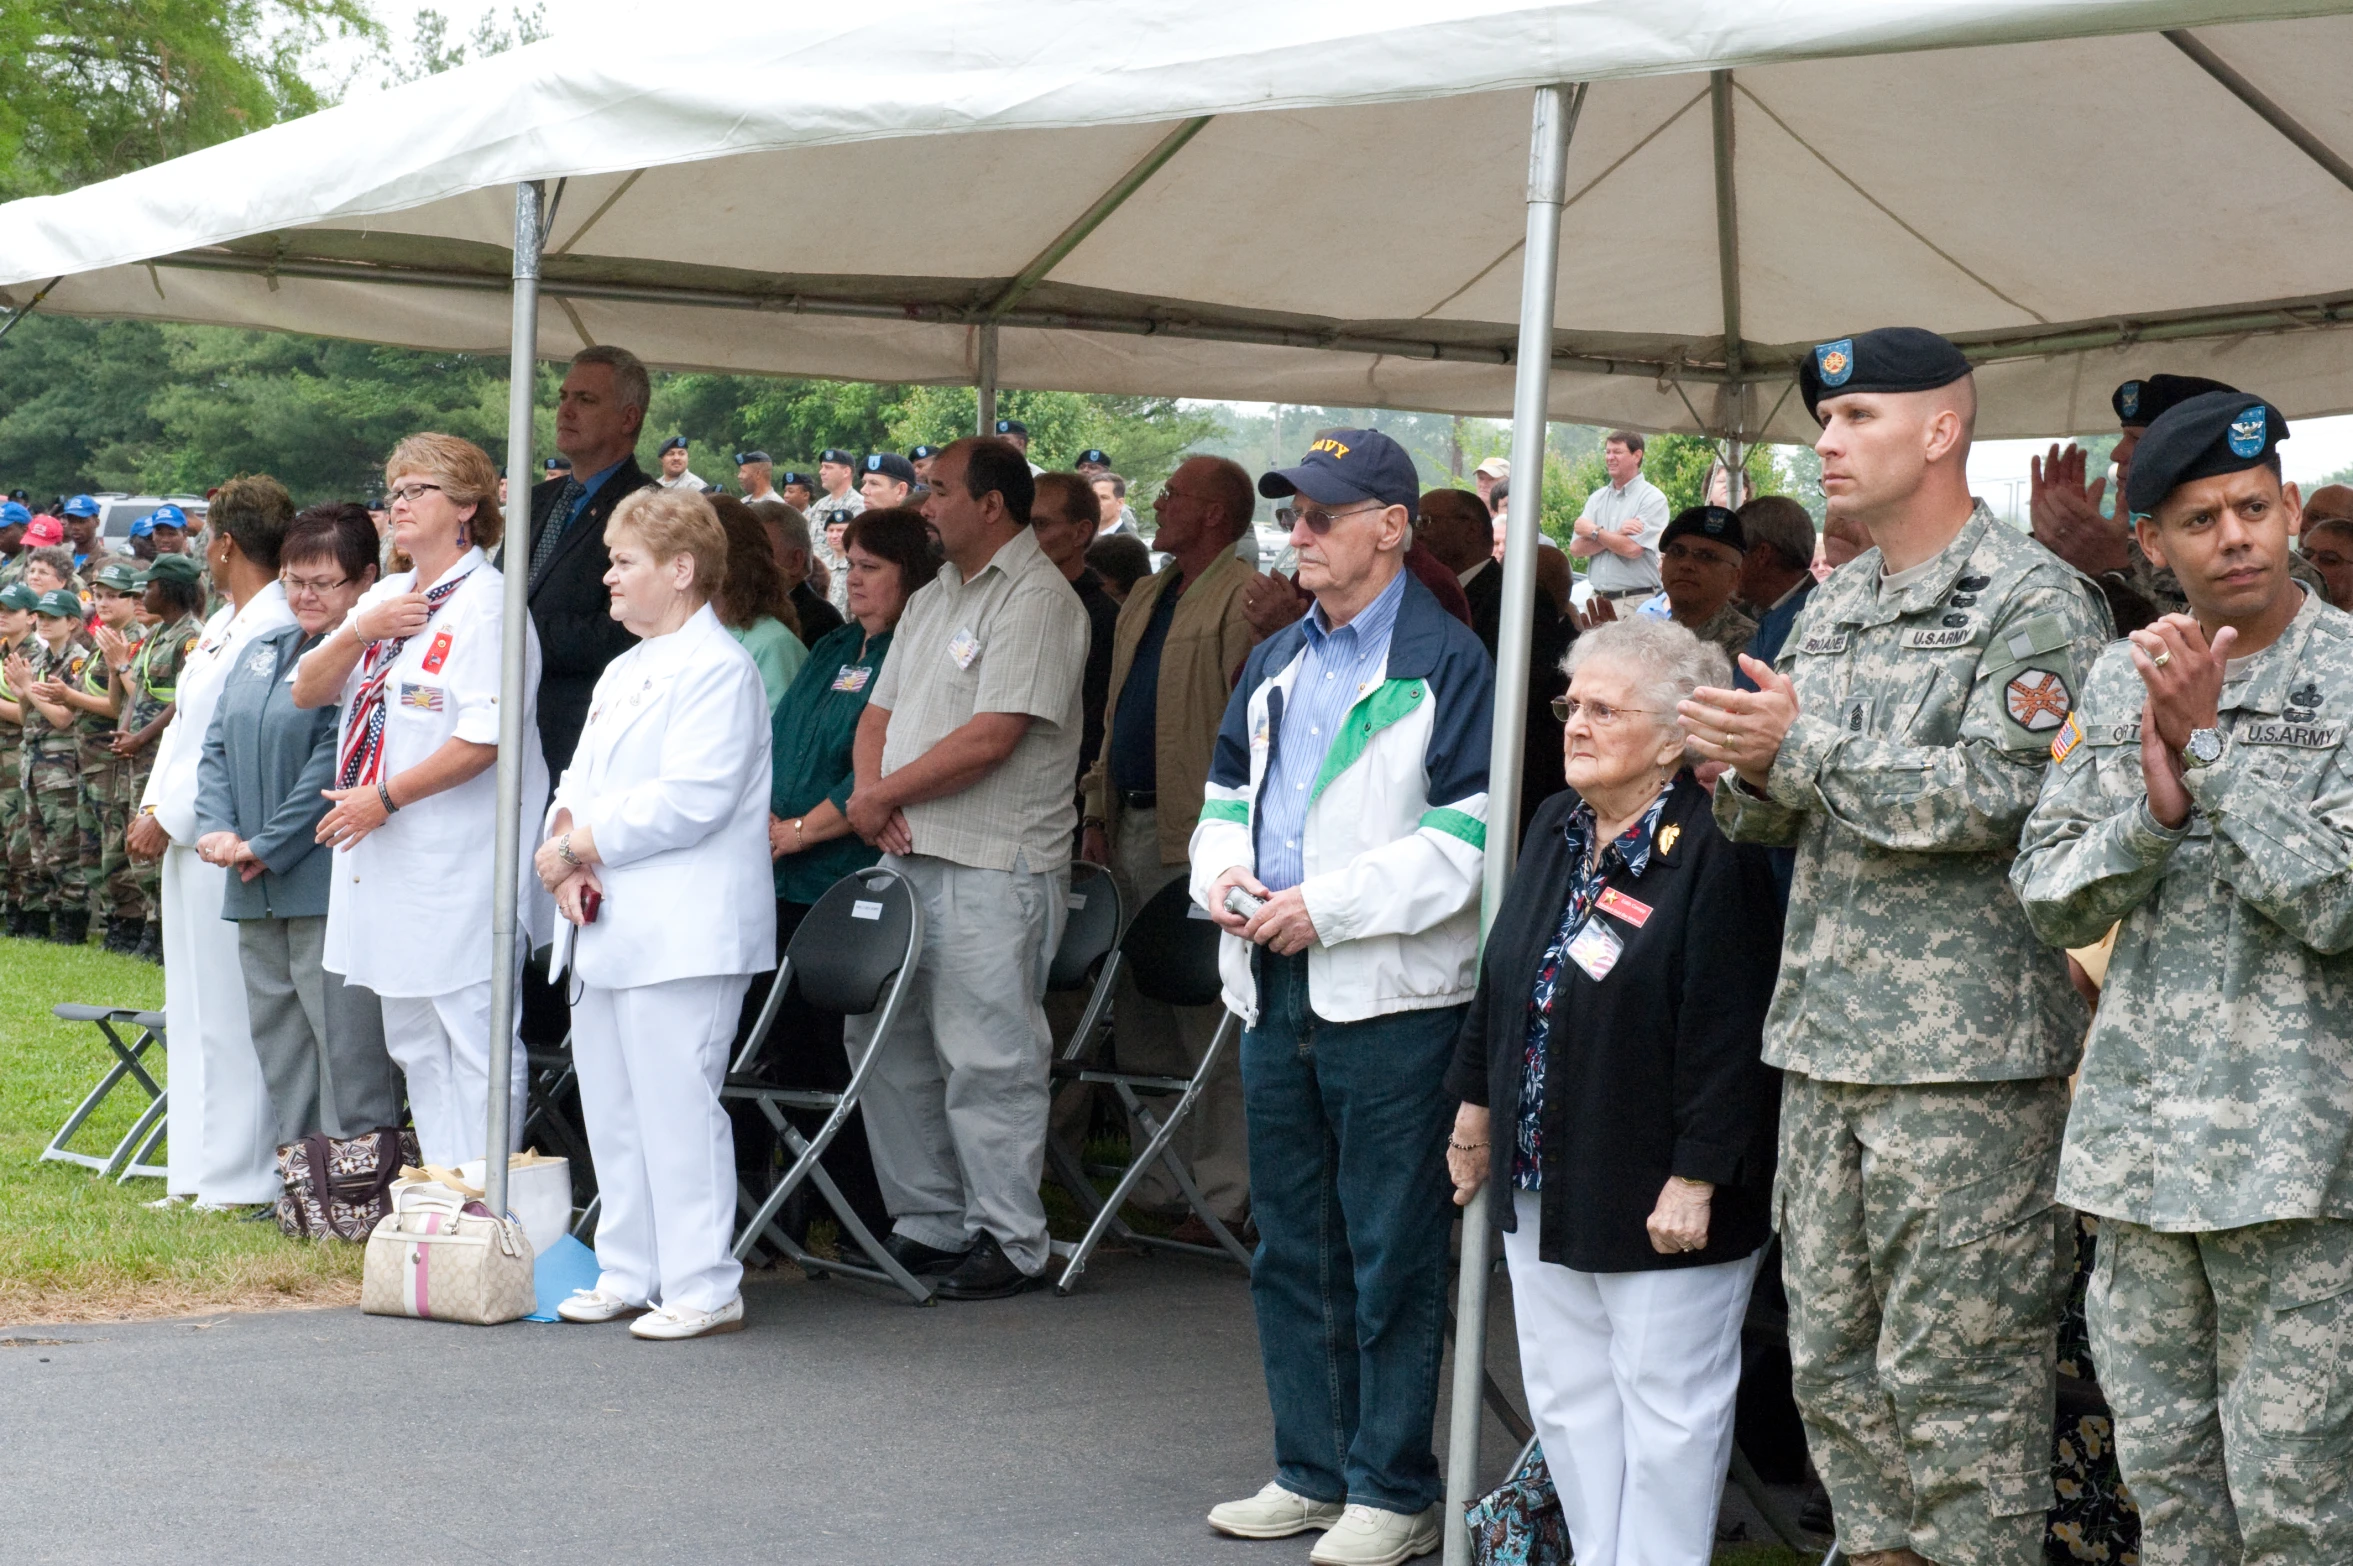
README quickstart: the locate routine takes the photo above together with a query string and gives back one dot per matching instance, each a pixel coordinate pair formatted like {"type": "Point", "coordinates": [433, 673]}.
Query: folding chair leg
{"type": "Point", "coordinates": [130, 1158]}
{"type": "Point", "coordinates": [584, 1226]}
{"type": "Point", "coordinates": [1073, 1175]}
{"type": "Point", "coordinates": [1768, 1505]}
{"type": "Point", "coordinates": [1137, 1165]}
{"type": "Point", "coordinates": [57, 1148]}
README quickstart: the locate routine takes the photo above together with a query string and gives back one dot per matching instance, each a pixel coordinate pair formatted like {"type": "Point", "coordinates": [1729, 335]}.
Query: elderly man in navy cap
{"type": "Point", "coordinates": [1340, 847]}
{"type": "Point", "coordinates": [675, 473]}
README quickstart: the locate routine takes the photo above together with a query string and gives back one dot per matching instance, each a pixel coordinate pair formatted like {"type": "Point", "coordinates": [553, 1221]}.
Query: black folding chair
{"type": "Point", "coordinates": [133, 1155]}
{"type": "Point", "coordinates": [861, 939]}
{"type": "Point", "coordinates": [1171, 949]}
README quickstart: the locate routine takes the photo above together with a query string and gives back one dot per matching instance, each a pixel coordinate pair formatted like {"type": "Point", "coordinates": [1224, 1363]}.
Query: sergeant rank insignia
{"type": "Point", "coordinates": [2038, 702]}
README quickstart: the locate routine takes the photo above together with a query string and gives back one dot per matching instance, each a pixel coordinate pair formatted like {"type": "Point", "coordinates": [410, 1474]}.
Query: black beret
{"type": "Point", "coordinates": [1093, 456]}
{"type": "Point", "coordinates": [789, 477]}
{"type": "Point", "coordinates": [2140, 404]}
{"type": "Point", "coordinates": [1709, 522]}
{"type": "Point", "coordinates": [836, 454]}
{"type": "Point", "coordinates": [2215, 432]}
{"type": "Point", "coordinates": [890, 464]}
{"type": "Point", "coordinates": [674, 443]}
{"type": "Point", "coordinates": [918, 453]}
{"type": "Point", "coordinates": [1011, 427]}
{"type": "Point", "coordinates": [743, 457]}
{"type": "Point", "coordinates": [1891, 359]}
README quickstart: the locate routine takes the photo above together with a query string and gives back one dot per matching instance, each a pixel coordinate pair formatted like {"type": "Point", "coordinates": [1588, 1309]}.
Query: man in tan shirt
{"type": "Point", "coordinates": [963, 760]}
{"type": "Point", "coordinates": [1181, 638]}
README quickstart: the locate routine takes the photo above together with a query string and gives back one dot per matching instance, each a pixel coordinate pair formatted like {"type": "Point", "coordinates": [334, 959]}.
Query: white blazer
{"type": "Point", "coordinates": [171, 787]}
{"type": "Point", "coordinates": [672, 778]}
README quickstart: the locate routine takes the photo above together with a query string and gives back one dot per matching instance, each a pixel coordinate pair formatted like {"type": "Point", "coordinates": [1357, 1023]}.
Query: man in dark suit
{"type": "Point", "coordinates": [603, 404]}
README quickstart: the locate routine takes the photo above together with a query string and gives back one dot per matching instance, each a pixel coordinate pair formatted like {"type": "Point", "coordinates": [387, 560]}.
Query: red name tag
{"type": "Point", "coordinates": [437, 654]}
{"type": "Point", "coordinates": [1613, 901]}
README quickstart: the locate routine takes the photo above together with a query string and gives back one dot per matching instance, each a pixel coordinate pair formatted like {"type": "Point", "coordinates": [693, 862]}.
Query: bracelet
{"type": "Point", "coordinates": [1705, 1185]}
{"type": "Point", "coordinates": [1467, 1147]}
{"type": "Point", "coordinates": [384, 797]}
{"type": "Point", "coordinates": [798, 844]}
{"type": "Point", "coordinates": [564, 851]}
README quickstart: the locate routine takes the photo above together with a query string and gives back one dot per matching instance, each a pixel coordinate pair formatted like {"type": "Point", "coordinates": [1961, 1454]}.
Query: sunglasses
{"type": "Point", "coordinates": [1317, 521]}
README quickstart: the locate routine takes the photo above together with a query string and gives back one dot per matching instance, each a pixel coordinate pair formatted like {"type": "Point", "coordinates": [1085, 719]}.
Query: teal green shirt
{"type": "Point", "coordinates": [776, 653]}
{"type": "Point", "coordinates": [814, 726]}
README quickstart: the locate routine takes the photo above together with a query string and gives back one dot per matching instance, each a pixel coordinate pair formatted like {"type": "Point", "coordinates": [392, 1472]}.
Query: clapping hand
{"type": "Point", "coordinates": [2183, 673]}
{"type": "Point", "coordinates": [2066, 514]}
{"type": "Point", "coordinates": [1743, 729]}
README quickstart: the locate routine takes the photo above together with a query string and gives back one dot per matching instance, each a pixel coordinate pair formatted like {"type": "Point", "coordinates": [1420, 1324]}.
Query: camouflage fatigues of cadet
{"type": "Point", "coordinates": [52, 788]}
{"type": "Point", "coordinates": [16, 843]}
{"type": "Point", "coordinates": [2213, 1123]}
{"type": "Point", "coordinates": [1925, 1035]}
{"type": "Point", "coordinates": [150, 685]}
{"type": "Point", "coordinates": [106, 860]}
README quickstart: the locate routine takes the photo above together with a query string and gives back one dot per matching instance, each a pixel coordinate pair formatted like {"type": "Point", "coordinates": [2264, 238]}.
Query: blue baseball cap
{"type": "Point", "coordinates": [14, 515]}
{"type": "Point", "coordinates": [1343, 467]}
{"type": "Point", "coordinates": [81, 506]}
{"type": "Point", "coordinates": [165, 515]}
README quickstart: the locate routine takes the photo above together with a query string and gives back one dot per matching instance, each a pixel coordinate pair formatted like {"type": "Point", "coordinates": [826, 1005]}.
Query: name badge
{"type": "Point", "coordinates": [424, 698]}
{"type": "Point", "coordinates": [1596, 949]}
{"type": "Point", "coordinates": [2119, 733]}
{"type": "Point", "coordinates": [853, 677]}
{"type": "Point", "coordinates": [1612, 901]}
{"type": "Point", "coordinates": [437, 654]}
{"type": "Point", "coordinates": [1826, 644]}
{"type": "Point", "coordinates": [963, 647]}
{"type": "Point", "coordinates": [2303, 736]}
{"type": "Point", "coordinates": [1937, 638]}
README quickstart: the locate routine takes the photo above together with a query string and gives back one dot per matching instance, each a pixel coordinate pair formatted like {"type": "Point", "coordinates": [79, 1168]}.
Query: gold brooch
{"type": "Point", "coordinates": [1667, 835]}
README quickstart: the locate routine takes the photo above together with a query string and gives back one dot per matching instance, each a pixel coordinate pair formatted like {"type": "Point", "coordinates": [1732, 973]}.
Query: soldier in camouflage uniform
{"type": "Point", "coordinates": [16, 844]}
{"type": "Point", "coordinates": [2203, 795]}
{"type": "Point", "coordinates": [1924, 1034]}
{"type": "Point", "coordinates": [175, 600]}
{"type": "Point", "coordinates": [14, 520]}
{"type": "Point", "coordinates": [97, 698]}
{"type": "Point", "coordinates": [50, 663]}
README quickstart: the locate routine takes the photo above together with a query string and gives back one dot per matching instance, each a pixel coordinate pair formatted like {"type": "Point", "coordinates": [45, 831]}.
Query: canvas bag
{"type": "Point", "coordinates": [1519, 1523]}
{"type": "Point", "coordinates": [340, 1186]}
{"type": "Point", "coordinates": [439, 1255]}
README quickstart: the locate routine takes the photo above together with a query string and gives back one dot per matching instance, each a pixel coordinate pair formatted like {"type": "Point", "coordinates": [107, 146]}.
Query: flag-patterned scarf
{"type": "Point", "coordinates": [361, 761]}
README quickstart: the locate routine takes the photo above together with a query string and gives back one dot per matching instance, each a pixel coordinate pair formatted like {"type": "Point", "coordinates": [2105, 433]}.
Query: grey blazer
{"type": "Point", "coordinates": [265, 761]}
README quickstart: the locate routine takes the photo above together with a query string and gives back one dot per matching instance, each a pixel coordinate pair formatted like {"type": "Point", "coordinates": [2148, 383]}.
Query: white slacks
{"type": "Point", "coordinates": [650, 1060]}
{"type": "Point", "coordinates": [1630, 1379]}
{"type": "Point", "coordinates": [223, 1142]}
{"type": "Point", "coordinates": [442, 1045]}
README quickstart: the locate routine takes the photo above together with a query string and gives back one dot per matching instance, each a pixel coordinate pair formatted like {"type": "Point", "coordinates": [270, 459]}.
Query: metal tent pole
{"type": "Point", "coordinates": [507, 852]}
{"type": "Point", "coordinates": [1548, 150]}
{"type": "Point", "coordinates": [987, 422]}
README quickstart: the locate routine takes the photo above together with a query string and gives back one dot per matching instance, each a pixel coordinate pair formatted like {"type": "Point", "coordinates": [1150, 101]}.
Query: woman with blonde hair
{"type": "Point", "coordinates": [415, 668]}
{"type": "Point", "coordinates": [657, 854]}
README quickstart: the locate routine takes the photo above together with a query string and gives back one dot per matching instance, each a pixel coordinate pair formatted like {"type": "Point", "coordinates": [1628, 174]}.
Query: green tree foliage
{"type": "Point", "coordinates": [95, 88]}
{"type": "Point", "coordinates": [432, 50]}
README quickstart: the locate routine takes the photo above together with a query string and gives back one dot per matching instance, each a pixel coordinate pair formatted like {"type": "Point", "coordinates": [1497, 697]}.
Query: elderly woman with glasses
{"type": "Point", "coordinates": [414, 795]}
{"type": "Point", "coordinates": [1612, 1089]}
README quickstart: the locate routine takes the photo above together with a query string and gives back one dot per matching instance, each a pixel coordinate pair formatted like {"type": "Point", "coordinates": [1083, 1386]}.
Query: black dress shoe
{"type": "Point", "coordinates": [925, 1261]}
{"type": "Point", "coordinates": [987, 1274]}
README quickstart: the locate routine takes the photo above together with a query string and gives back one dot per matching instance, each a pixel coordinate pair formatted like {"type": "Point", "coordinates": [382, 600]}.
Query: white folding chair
{"type": "Point", "coordinates": [860, 940]}
{"type": "Point", "coordinates": [1170, 948]}
{"type": "Point", "coordinates": [133, 1156]}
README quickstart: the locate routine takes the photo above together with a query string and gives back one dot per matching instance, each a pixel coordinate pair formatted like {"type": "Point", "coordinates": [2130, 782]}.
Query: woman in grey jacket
{"type": "Point", "coordinates": [258, 804]}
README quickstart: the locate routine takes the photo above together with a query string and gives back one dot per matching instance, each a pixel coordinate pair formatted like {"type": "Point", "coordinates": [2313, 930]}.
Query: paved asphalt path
{"type": "Point", "coordinates": [841, 1426]}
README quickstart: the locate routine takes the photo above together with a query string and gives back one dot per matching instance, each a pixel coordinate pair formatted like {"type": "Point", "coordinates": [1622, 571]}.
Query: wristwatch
{"type": "Point", "coordinates": [2204, 748]}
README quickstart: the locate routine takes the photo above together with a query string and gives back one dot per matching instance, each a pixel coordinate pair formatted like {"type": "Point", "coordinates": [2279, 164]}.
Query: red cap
{"type": "Point", "coordinates": [46, 529]}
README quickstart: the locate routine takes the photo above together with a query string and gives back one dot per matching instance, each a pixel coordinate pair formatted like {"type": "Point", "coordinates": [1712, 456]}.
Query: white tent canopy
{"type": "Point", "coordinates": [1285, 200]}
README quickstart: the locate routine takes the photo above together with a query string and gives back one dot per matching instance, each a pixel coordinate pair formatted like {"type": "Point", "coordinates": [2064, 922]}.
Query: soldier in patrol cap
{"type": "Point", "coordinates": [1924, 1034]}
{"type": "Point", "coordinates": [174, 599]}
{"type": "Point", "coordinates": [16, 844]}
{"type": "Point", "coordinates": [48, 664]}
{"type": "Point", "coordinates": [14, 521]}
{"type": "Point", "coordinates": [2202, 794]}
{"type": "Point", "coordinates": [111, 890]}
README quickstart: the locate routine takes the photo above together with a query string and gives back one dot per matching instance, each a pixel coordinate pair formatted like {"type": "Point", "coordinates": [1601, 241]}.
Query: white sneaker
{"type": "Point", "coordinates": [1369, 1536]}
{"type": "Point", "coordinates": [667, 1325]}
{"type": "Point", "coordinates": [596, 1305]}
{"type": "Point", "coordinates": [164, 1204]}
{"type": "Point", "coordinates": [1273, 1513]}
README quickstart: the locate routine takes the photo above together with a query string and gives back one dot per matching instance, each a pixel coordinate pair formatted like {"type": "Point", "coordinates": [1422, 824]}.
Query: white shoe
{"type": "Point", "coordinates": [596, 1305]}
{"type": "Point", "coordinates": [204, 1206]}
{"type": "Point", "coordinates": [164, 1204]}
{"type": "Point", "coordinates": [1273, 1513]}
{"type": "Point", "coordinates": [1369, 1536]}
{"type": "Point", "coordinates": [667, 1325]}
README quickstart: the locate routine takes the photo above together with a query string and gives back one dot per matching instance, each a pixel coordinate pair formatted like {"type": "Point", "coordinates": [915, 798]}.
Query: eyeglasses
{"type": "Point", "coordinates": [317, 585]}
{"type": "Point", "coordinates": [1598, 713]}
{"type": "Point", "coordinates": [1317, 521]}
{"type": "Point", "coordinates": [410, 492]}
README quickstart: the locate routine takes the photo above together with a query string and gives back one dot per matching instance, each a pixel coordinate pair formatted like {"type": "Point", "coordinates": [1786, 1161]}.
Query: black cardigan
{"type": "Point", "coordinates": [1655, 1069]}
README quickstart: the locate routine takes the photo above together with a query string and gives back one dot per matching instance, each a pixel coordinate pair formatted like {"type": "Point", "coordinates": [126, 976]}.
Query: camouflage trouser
{"type": "Point", "coordinates": [2227, 1359]}
{"type": "Point", "coordinates": [114, 887]}
{"type": "Point", "coordinates": [148, 878]}
{"type": "Point", "coordinates": [1927, 1264]}
{"type": "Point", "coordinates": [56, 820]}
{"type": "Point", "coordinates": [16, 847]}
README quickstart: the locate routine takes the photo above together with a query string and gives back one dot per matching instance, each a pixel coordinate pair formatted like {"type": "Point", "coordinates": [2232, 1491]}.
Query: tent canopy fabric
{"type": "Point", "coordinates": [1285, 200]}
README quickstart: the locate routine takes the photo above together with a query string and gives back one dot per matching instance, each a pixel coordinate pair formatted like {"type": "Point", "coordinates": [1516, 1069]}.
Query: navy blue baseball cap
{"type": "Point", "coordinates": [1343, 467]}
{"type": "Point", "coordinates": [920, 453]}
{"type": "Point", "coordinates": [790, 477]}
{"type": "Point", "coordinates": [674, 443]}
{"type": "Point", "coordinates": [15, 515]}
{"type": "Point", "coordinates": [743, 457]}
{"type": "Point", "coordinates": [836, 454]}
{"type": "Point", "coordinates": [890, 464]}
{"type": "Point", "coordinates": [1011, 427]}
{"type": "Point", "coordinates": [81, 506]}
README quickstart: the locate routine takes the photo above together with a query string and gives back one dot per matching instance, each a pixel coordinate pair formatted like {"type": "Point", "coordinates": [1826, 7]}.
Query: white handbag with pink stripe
{"type": "Point", "coordinates": [439, 1255]}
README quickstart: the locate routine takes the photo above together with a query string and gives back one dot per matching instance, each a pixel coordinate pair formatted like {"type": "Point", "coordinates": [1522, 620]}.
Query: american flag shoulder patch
{"type": "Point", "coordinates": [2070, 735]}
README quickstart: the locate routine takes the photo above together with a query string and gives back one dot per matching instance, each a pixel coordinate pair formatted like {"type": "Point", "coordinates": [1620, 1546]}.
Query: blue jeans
{"type": "Point", "coordinates": [1348, 1183]}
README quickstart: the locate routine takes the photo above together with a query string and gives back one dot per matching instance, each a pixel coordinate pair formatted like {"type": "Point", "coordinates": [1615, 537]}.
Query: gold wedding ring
{"type": "Point", "coordinates": [2164, 657]}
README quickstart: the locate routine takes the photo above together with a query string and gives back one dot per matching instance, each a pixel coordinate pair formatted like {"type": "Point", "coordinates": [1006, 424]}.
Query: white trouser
{"type": "Point", "coordinates": [650, 1060]}
{"type": "Point", "coordinates": [1630, 1379]}
{"type": "Point", "coordinates": [442, 1045]}
{"type": "Point", "coordinates": [223, 1143]}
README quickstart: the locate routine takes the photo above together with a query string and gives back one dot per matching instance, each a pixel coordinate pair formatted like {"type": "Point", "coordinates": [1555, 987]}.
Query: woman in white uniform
{"type": "Point", "coordinates": [661, 827]}
{"type": "Point", "coordinates": [415, 803]}
{"type": "Point", "coordinates": [223, 1148]}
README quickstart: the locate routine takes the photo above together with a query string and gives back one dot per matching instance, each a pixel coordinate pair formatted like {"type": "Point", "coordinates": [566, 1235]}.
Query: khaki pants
{"type": "Point", "coordinates": [2227, 1359]}
{"type": "Point", "coordinates": [1925, 1264]}
{"type": "Point", "coordinates": [1170, 1040]}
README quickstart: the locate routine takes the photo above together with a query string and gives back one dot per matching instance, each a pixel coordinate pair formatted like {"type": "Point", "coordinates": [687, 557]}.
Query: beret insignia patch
{"type": "Point", "coordinates": [2246, 433]}
{"type": "Point", "coordinates": [2128, 398]}
{"type": "Point", "coordinates": [1835, 362]}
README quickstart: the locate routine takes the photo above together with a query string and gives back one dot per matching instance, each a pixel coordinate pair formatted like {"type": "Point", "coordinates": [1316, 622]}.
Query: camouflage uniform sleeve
{"type": "Point", "coordinates": [1972, 794]}
{"type": "Point", "coordinates": [2087, 856]}
{"type": "Point", "coordinates": [2289, 857]}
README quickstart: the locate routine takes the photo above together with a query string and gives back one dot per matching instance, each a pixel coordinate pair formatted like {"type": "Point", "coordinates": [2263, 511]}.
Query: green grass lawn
{"type": "Point", "coordinates": [75, 1247]}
